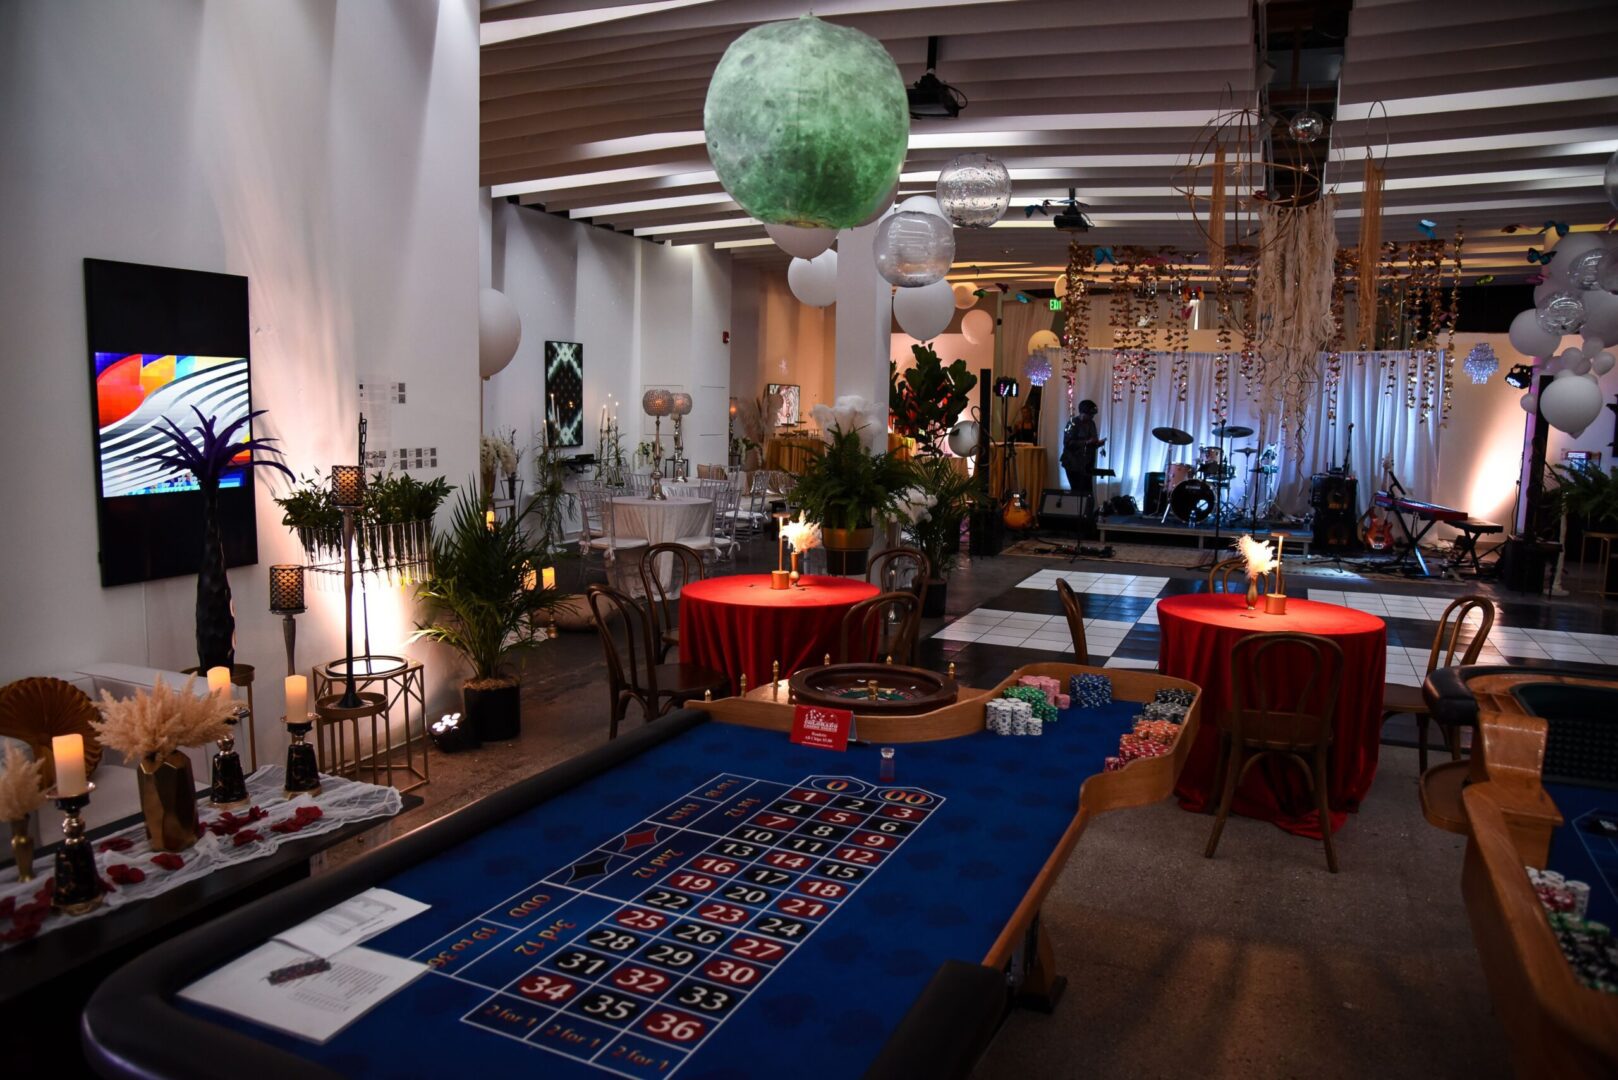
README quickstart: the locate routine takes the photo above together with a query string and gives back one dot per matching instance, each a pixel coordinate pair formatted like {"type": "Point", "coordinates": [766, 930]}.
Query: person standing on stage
{"type": "Point", "coordinates": [1080, 445]}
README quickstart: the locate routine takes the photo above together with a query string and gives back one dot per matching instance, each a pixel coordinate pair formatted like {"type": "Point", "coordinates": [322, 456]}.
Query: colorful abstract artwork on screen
{"type": "Point", "coordinates": [134, 391]}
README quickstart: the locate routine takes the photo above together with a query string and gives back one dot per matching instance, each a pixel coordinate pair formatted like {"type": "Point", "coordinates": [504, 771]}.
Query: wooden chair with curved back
{"type": "Point", "coordinates": [686, 566]}
{"type": "Point", "coordinates": [1075, 621]}
{"type": "Point", "coordinates": [1257, 724]}
{"type": "Point", "coordinates": [1221, 571]}
{"type": "Point", "coordinates": [871, 632]}
{"type": "Point", "coordinates": [633, 675]}
{"type": "Point", "coordinates": [1447, 650]}
{"type": "Point", "coordinates": [900, 569]}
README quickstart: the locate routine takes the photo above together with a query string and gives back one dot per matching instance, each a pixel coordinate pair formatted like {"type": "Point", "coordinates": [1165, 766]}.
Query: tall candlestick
{"type": "Point", "coordinates": [219, 681]}
{"type": "Point", "coordinates": [297, 691]}
{"type": "Point", "coordinates": [68, 753]}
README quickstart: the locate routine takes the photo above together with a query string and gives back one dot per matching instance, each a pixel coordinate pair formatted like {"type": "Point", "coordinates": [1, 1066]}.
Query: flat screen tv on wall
{"type": "Point", "coordinates": [163, 341]}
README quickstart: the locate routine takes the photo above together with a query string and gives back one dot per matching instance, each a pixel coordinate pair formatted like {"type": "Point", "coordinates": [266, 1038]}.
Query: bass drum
{"type": "Point", "coordinates": [1192, 502]}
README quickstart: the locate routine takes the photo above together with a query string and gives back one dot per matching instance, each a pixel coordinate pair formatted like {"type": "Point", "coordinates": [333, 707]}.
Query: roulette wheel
{"type": "Point", "coordinates": [883, 689]}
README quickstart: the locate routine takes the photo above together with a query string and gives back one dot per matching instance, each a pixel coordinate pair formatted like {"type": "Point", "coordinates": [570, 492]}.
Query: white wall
{"type": "Point", "coordinates": [326, 151]}
{"type": "Point", "coordinates": [647, 315]}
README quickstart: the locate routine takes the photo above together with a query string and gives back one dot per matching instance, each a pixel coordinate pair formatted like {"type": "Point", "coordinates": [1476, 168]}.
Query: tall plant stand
{"type": "Point", "coordinates": [240, 675]}
{"type": "Point", "coordinates": [390, 688]}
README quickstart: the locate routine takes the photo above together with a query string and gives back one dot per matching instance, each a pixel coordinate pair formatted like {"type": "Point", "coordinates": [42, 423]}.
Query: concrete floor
{"type": "Point", "coordinates": [1257, 963]}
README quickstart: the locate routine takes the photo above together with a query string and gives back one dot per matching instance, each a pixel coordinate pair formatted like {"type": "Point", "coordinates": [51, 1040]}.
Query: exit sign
{"type": "Point", "coordinates": [1056, 303]}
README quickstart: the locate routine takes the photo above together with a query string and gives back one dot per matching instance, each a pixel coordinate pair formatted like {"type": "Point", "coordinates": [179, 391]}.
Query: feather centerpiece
{"type": "Point", "coordinates": [155, 724]}
{"type": "Point", "coordinates": [1258, 554]}
{"type": "Point", "coordinates": [803, 535]}
{"type": "Point", "coordinates": [20, 780]}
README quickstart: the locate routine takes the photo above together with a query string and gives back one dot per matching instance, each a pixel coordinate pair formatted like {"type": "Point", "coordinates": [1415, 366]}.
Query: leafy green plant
{"type": "Point", "coordinates": [844, 486]}
{"type": "Point", "coordinates": [934, 508]}
{"type": "Point", "coordinates": [1585, 491]}
{"type": "Point", "coordinates": [551, 501]}
{"type": "Point", "coordinates": [928, 397]}
{"type": "Point", "coordinates": [476, 602]}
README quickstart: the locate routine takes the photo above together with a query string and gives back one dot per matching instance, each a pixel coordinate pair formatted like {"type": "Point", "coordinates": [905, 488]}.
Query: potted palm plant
{"type": "Point", "coordinates": [483, 602]}
{"type": "Point", "coordinates": [208, 454]}
{"type": "Point", "coordinates": [845, 488]}
{"type": "Point", "coordinates": [933, 508]}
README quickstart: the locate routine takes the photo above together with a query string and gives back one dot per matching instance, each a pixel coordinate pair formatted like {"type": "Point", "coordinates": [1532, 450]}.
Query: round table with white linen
{"type": "Point", "coordinates": [659, 521]}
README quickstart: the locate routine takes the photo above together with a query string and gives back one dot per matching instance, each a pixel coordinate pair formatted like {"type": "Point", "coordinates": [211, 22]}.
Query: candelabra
{"type": "Point", "coordinates": [682, 409]}
{"type": "Point", "coordinates": [657, 404]}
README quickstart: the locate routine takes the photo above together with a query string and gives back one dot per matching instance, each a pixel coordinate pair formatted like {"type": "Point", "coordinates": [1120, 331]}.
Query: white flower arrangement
{"type": "Point", "coordinates": [915, 504]}
{"type": "Point", "coordinates": [1258, 554]}
{"type": "Point", "coordinates": [802, 534]}
{"type": "Point", "coordinates": [849, 413]}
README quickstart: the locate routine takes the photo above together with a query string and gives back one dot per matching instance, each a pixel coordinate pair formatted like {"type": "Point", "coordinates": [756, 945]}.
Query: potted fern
{"type": "Point", "coordinates": [208, 454]}
{"type": "Point", "coordinates": [482, 602]}
{"type": "Point", "coordinates": [844, 489]}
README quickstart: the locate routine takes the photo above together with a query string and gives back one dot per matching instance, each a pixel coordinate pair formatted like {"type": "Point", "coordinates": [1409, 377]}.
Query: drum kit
{"type": "Point", "coordinates": [1195, 492]}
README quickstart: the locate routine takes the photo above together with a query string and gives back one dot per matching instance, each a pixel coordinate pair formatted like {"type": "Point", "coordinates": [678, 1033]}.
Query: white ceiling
{"type": "Point", "coordinates": [1498, 112]}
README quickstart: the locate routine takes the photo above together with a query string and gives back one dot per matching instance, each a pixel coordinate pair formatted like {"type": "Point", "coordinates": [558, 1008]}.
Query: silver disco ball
{"type": "Point", "coordinates": [974, 190]}
{"type": "Point", "coordinates": [1307, 126]}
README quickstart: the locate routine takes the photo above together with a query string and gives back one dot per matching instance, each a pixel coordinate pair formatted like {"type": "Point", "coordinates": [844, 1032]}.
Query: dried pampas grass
{"type": "Point", "coordinates": [1292, 308]}
{"type": "Point", "coordinates": [1258, 554]}
{"type": "Point", "coordinates": [158, 723]}
{"type": "Point", "coordinates": [20, 794]}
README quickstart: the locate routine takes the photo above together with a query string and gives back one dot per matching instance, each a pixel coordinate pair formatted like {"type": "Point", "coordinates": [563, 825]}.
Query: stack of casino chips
{"type": "Point", "coordinates": [1044, 709]}
{"type": "Point", "coordinates": [1011, 716]}
{"type": "Point", "coordinates": [1087, 691]}
{"type": "Point", "coordinates": [1161, 732]}
{"type": "Point", "coordinates": [1163, 710]}
{"type": "Point", "coordinates": [1588, 946]}
{"type": "Point", "coordinates": [1182, 698]}
{"type": "Point", "coordinates": [1051, 688]}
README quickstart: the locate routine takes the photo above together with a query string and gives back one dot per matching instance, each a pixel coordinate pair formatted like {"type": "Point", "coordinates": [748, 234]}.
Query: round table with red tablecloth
{"type": "Point", "coordinates": [740, 626]}
{"type": "Point", "coordinates": [1198, 632]}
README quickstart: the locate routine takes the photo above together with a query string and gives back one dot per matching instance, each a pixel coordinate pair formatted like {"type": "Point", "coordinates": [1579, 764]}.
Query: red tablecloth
{"type": "Point", "coordinates": [739, 625]}
{"type": "Point", "coordinates": [1197, 633]}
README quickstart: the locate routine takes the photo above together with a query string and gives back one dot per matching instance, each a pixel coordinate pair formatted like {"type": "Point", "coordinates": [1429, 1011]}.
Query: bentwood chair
{"type": "Point", "coordinates": [633, 675]}
{"type": "Point", "coordinates": [883, 626]}
{"type": "Point", "coordinates": [1220, 572]}
{"type": "Point", "coordinates": [685, 567]}
{"type": "Point", "coordinates": [1448, 649]}
{"type": "Point", "coordinates": [596, 533]}
{"type": "Point", "coordinates": [900, 569]}
{"type": "Point", "coordinates": [1296, 724]}
{"type": "Point", "coordinates": [1075, 621]}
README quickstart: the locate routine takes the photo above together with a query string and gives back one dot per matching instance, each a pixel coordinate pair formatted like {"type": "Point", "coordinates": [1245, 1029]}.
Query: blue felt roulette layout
{"type": "Point", "coordinates": [650, 941]}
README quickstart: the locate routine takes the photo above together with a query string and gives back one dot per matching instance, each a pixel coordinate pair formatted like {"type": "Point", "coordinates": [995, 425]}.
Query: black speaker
{"type": "Point", "coordinates": [1155, 482]}
{"type": "Point", "coordinates": [1335, 502]}
{"type": "Point", "coordinates": [1060, 510]}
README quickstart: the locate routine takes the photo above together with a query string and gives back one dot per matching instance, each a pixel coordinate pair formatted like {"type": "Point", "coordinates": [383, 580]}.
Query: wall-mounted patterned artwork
{"type": "Point", "coordinates": [165, 344]}
{"type": "Point", "coordinates": [564, 393]}
{"type": "Point", "coordinates": [789, 402]}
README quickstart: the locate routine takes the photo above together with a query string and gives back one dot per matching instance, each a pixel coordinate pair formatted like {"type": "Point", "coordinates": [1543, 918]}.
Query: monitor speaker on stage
{"type": "Point", "coordinates": [1335, 500]}
{"type": "Point", "coordinates": [1059, 510]}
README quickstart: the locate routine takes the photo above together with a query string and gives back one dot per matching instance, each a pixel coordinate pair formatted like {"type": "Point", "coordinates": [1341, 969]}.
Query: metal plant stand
{"type": "Point", "coordinates": [398, 688]}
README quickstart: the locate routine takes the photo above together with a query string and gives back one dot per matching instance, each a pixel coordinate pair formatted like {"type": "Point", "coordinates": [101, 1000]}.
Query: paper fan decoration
{"type": "Point", "coordinates": [35, 710]}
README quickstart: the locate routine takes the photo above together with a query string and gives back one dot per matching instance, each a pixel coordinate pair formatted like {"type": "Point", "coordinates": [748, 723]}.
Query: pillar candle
{"type": "Point", "coordinates": [219, 681]}
{"type": "Point", "coordinates": [547, 577]}
{"type": "Point", "coordinates": [488, 519]}
{"type": "Point", "coordinates": [297, 688]}
{"type": "Point", "coordinates": [68, 753]}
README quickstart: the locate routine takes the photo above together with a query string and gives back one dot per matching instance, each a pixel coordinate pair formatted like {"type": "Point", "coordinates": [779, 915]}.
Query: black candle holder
{"type": "Point", "coordinates": [303, 767]}
{"type": "Point", "coordinates": [78, 884]}
{"type": "Point", "coordinates": [229, 790]}
{"type": "Point", "coordinates": [286, 600]}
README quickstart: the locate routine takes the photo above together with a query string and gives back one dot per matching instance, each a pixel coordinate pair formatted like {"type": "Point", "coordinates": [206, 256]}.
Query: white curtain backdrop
{"type": "Point", "coordinates": [1383, 422]}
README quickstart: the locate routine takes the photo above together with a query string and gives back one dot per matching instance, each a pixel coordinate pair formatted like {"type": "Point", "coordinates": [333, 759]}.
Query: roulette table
{"type": "Point", "coordinates": [1540, 790]}
{"type": "Point", "coordinates": [702, 899]}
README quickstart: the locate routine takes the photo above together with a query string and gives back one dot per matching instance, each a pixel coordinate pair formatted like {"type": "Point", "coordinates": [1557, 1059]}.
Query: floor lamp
{"type": "Point", "coordinates": [348, 494]}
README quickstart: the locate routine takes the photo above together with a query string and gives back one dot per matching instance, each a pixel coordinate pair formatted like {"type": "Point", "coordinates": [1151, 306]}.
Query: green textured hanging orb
{"type": "Point", "coordinates": [807, 123]}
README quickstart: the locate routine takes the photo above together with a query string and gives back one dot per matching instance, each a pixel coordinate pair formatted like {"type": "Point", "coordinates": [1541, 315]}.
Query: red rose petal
{"type": "Point", "coordinates": [168, 860]}
{"type": "Point", "coordinates": [246, 836]}
{"type": "Point", "coordinates": [115, 843]}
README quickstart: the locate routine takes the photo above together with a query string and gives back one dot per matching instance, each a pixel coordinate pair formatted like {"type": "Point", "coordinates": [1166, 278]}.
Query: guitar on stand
{"type": "Point", "coordinates": [1014, 510]}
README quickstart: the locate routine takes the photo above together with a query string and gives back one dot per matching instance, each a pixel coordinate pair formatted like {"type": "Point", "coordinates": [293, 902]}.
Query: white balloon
{"type": "Point", "coordinates": [814, 281]}
{"type": "Point", "coordinates": [887, 203]}
{"type": "Point", "coordinates": [966, 295]}
{"type": "Point", "coordinates": [1591, 345]}
{"type": "Point", "coordinates": [925, 311]}
{"type": "Point", "coordinates": [1600, 314]}
{"type": "Point", "coordinates": [1570, 247]}
{"type": "Point", "coordinates": [1601, 363]}
{"type": "Point", "coordinates": [1529, 338]}
{"type": "Point", "coordinates": [801, 243]}
{"type": "Point", "coordinates": [499, 331]}
{"type": "Point", "coordinates": [1571, 404]}
{"type": "Point", "coordinates": [1551, 365]}
{"type": "Point", "coordinates": [923, 204]}
{"type": "Point", "coordinates": [1529, 402]}
{"type": "Point", "coordinates": [1044, 339]}
{"type": "Point", "coordinates": [1581, 366]}
{"type": "Point", "coordinates": [977, 327]}
{"type": "Point", "coordinates": [963, 438]}
{"type": "Point", "coordinates": [1547, 289]}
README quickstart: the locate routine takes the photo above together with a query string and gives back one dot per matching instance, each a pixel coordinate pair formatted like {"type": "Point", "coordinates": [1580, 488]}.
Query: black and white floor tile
{"type": "Point", "coordinates": [1121, 625]}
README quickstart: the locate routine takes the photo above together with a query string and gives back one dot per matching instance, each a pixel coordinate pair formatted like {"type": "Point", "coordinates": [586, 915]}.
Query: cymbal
{"type": "Point", "coordinates": [1231, 431]}
{"type": "Point", "coordinates": [1245, 450]}
{"type": "Point", "coordinates": [1172, 436]}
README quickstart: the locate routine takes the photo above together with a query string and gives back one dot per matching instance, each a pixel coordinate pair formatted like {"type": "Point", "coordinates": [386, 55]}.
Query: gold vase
{"type": "Point", "coordinates": [22, 849]}
{"type": "Point", "coordinates": [793, 575]}
{"type": "Point", "coordinates": [168, 801]}
{"type": "Point", "coordinates": [1252, 593]}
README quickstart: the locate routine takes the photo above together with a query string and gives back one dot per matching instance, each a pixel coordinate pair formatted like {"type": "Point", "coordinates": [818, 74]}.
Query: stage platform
{"type": "Point", "coordinates": [1145, 528]}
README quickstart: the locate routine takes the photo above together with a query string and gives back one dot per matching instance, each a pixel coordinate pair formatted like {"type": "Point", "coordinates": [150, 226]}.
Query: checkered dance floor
{"type": "Point", "coordinates": [1121, 624]}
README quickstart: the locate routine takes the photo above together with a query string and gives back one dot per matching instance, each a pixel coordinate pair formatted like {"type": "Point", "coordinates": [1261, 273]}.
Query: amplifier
{"type": "Point", "coordinates": [1060, 509]}
{"type": "Point", "coordinates": [1335, 502]}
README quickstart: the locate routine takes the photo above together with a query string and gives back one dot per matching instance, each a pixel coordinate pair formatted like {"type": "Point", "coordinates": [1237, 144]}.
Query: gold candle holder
{"type": "Point", "coordinates": [1275, 604]}
{"type": "Point", "coordinates": [780, 579]}
{"type": "Point", "coordinates": [744, 686]}
{"type": "Point", "coordinates": [22, 849]}
{"type": "Point", "coordinates": [775, 679]}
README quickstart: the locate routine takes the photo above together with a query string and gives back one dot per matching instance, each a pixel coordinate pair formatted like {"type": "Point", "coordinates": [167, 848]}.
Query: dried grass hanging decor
{"type": "Point", "coordinates": [1370, 254]}
{"type": "Point", "coordinates": [1292, 310]}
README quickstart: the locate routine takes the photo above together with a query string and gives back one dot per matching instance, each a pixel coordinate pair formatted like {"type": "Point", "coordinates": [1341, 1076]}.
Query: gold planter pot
{"type": "Point", "coordinates": [168, 801]}
{"type": "Point", "coordinates": [22, 849]}
{"type": "Point", "coordinates": [848, 539]}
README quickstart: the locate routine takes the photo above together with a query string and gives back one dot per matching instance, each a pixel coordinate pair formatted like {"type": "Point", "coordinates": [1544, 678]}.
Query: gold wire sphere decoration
{"type": "Point", "coordinates": [1227, 178]}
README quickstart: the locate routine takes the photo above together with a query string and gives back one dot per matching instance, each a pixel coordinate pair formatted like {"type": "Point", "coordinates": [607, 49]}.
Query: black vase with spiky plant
{"type": "Point", "coordinates": [206, 453]}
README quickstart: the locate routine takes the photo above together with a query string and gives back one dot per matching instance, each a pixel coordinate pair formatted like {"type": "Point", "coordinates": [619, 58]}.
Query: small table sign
{"type": "Point", "coordinates": [822, 728]}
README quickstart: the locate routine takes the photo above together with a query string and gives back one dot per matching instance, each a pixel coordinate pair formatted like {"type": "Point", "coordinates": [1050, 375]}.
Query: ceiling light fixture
{"type": "Point", "coordinates": [932, 97]}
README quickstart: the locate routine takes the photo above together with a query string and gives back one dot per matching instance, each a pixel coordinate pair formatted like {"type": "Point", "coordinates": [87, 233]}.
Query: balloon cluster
{"type": "Point", "coordinates": [1578, 296]}
{"type": "Point", "coordinates": [914, 248]}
